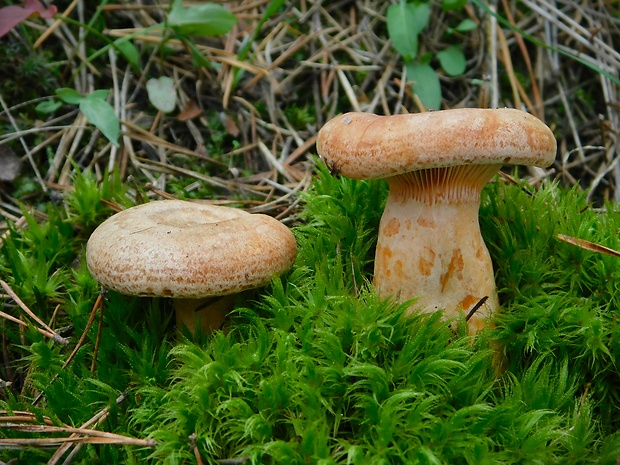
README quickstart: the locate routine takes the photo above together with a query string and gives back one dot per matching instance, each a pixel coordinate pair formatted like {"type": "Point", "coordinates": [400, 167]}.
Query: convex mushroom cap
{"type": "Point", "coordinates": [367, 146]}
{"type": "Point", "coordinates": [429, 244]}
{"type": "Point", "coordinates": [188, 250]}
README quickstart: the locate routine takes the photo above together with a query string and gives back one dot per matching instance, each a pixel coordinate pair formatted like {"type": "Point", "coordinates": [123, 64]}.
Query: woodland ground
{"type": "Point", "coordinates": [249, 103]}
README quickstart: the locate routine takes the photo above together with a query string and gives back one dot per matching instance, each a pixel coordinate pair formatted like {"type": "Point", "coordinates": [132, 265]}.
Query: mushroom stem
{"type": "Point", "coordinates": [430, 246]}
{"type": "Point", "coordinates": [208, 313]}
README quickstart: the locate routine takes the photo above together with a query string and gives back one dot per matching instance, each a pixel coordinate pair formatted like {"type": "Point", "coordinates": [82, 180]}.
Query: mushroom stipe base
{"type": "Point", "coordinates": [430, 246]}
{"type": "Point", "coordinates": [208, 314]}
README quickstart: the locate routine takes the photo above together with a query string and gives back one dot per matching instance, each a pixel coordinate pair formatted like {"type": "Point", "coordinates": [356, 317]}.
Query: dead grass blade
{"type": "Point", "coordinates": [98, 304]}
{"type": "Point", "coordinates": [587, 245]}
{"type": "Point", "coordinates": [82, 436]}
{"type": "Point", "coordinates": [45, 329]}
{"type": "Point", "coordinates": [24, 422]}
{"type": "Point", "coordinates": [96, 420]}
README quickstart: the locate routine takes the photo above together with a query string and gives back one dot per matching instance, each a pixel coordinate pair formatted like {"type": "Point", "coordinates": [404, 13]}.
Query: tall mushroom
{"type": "Point", "coordinates": [436, 164]}
{"type": "Point", "coordinates": [191, 252]}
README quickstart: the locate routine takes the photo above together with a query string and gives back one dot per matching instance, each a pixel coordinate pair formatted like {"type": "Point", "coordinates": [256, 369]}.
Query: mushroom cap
{"type": "Point", "coordinates": [180, 249]}
{"type": "Point", "coordinates": [367, 146]}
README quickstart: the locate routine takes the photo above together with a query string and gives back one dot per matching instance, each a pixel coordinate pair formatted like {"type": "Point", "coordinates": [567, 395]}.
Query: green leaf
{"type": "Point", "coordinates": [100, 114]}
{"type": "Point", "coordinates": [453, 5]}
{"type": "Point", "coordinates": [70, 96]}
{"type": "Point", "coordinates": [162, 93]}
{"type": "Point", "coordinates": [425, 84]}
{"type": "Point", "coordinates": [129, 51]}
{"type": "Point", "coordinates": [425, 58]}
{"type": "Point", "coordinates": [466, 25]}
{"type": "Point", "coordinates": [101, 94]}
{"type": "Point", "coordinates": [198, 59]}
{"type": "Point", "coordinates": [452, 60]}
{"type": "Point", "coordinates": [421, 16]}
{"type": "Point", "coordinates": [272, 8]}
{"type": "Point", "coordinates": [404, 35]}
{"type": "Point", "coordinates": [208, 19]}
{"type": "Point", "coordinates": [48, 106]}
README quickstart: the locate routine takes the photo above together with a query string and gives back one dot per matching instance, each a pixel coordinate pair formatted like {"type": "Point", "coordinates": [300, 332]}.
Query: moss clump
{"type": "Point", "coordinates": [317, 369]}
{"type": "Point", "coordinates": [322, 371]}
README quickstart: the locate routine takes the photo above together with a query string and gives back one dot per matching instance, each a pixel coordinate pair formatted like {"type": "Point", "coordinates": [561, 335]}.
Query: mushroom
{"type": "Point", "coordinates": [191, 252]}
{"type": "Point", "coordinates": [436, 164]}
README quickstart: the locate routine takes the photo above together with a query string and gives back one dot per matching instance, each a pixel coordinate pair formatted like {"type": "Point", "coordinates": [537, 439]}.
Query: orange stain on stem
{"type": "Point", "coordinates": [392, 227]}
{"type": "Point", "coordinates": [425, 266]}
{"type": "Point", "coordinates": [455, 269]}
{"type": "Point", "coordinates": [468, 302]}
{"type": "Point", "coordinates": [426, 222]}
{"type": "Point", "coordinates": [398, 269]}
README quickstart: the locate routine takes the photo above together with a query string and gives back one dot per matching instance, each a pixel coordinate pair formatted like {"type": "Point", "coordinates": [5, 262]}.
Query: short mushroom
{"type": "Point", "coordinates": [190, 252]}
{"type": "Point", "coordinates": [436, 164]}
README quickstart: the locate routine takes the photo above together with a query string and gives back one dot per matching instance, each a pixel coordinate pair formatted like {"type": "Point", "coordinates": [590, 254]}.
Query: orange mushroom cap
{"type": "Point", "coordinates": [180, 249]}
{"type": "Point", "coordinates": [367, 146]}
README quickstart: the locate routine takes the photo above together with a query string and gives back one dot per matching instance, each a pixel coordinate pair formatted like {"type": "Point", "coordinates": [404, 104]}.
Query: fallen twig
{"type": "Point", "coordinates": [95, 420]}
{"type": "Point", "coordinates": [91, 319]}
{"type": "Point", "coordinates": [46, 330]}
{"type": "Point", "coordinates": [86, 436]}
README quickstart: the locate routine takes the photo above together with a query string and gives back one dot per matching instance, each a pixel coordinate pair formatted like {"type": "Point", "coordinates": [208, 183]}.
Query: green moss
{"type": "Point", "coordinates": [559, 300]}
{"type": "Point", "coordinates": [321, 371]}
{"type": "Point", "coordinates": [26, 74]}
{"type": "Point", "coordinates": [316, 369]}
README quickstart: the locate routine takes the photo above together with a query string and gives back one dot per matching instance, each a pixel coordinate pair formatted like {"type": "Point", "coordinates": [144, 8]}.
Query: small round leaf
{"type": "Point", "coordinates": [68, 95]}
{"type": "Point", "coordinates": [425, 84]}
{"type": "Point", "coordinates": [466, 25]}
{"type": "Point", "coordinates": [400, 20]}
{"type": "Point", "coordinates": [452, 61]}
{"type": "Point", "coordinates": [48, 106]}
{"type": "Point", "coordinates": [162, 93]}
